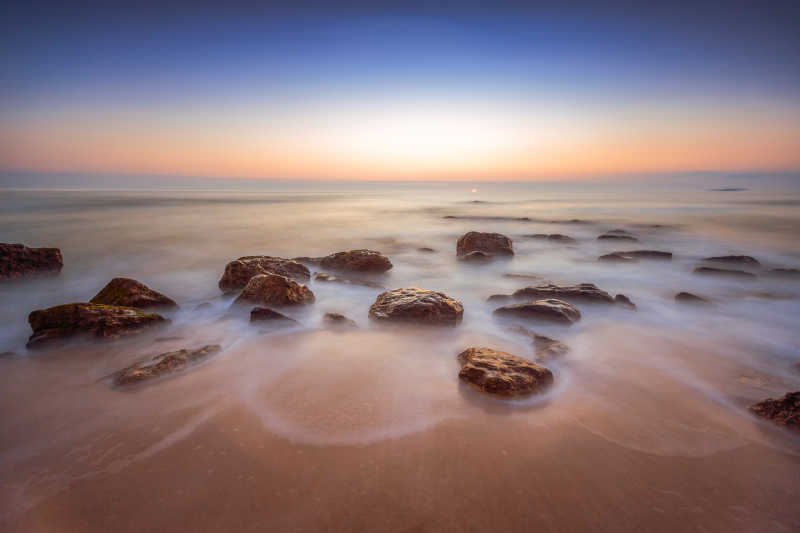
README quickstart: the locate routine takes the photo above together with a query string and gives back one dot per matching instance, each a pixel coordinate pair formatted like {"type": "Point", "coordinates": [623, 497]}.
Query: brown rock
{"type": "Point", "coordinates": [263, 314]}
{"type": "Point", "coordinates": [743, 260]}
{"type": "Point", "coordinates": [272, 289]}
{"type": "Point", "coordinates": [357, 261]}
{"type": "Point", "coordinates": [338, 320]}
{"type": "Point", "coordinates": [491, 243]}
{"type": "Point", "coordinates": [18, 261]}
{"type": "Point", "coordinates": [131, 293]}
{"type": "Point", "coordinates": [689, 298]}
{"type": "Point", "coordinates": [502, 373]}
{"type": "Point", "coordinates": [164, 363]}
{"type": "Point", "coordinates": [721, 272]}
{"type": "Point", "coordinates": [583, 292]}
{"type": "Point", "coordinates": [624, 301]}
{"type": "Point", "coordinates": [332, 278]}
{"type": "Point", "coordinates": [88, 319]}
{"type": "Point", "coordinates": [783, 411]}
{"type": "Point", "coordinates": [417, 305]}
{"type": "Point", "coordinates": [549, 310]}
{"type": "Point", "coordinates": [238, 273]}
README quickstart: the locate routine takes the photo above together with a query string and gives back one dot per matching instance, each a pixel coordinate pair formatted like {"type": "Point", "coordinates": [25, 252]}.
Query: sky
{"type": "Point", "coordinates": [445, 91]}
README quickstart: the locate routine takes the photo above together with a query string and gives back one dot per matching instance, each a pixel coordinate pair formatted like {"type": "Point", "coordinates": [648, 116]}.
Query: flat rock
{"type": "Point", "coordinates": [131, 293]}
{"type": "Point", "coordinates": [624, 301]}
{"type": "Point", "coordinates": [782, 411]}
{"type": "Point", "coordinates": [491, 243]}
{"type": "Point", "coordinates": [722, 272]}
{"type": "Point", "coordinates": [165, 363]}
{"type": "Point", "coordinates": [273, 289]}
{"type": "Point", "coordinates": [88, 319]}
{"type": "Point", "coordinates": [357, 261]}
{"type": "Point", "coordinates": [327, 277]}
{"type": "Point", "coordinates": [264, 314]}
{"type": "Point", "coordinates": [743, 260]}
{"type": "Point", "coordinates": [583, 292]}
{"type": "Point", "coordinates": [616, 237]}
{"type": "Point", "coordinates": [417, 305]}
{"type": "Point", "coordinates": [19, 261]}
{"type": "Point", "coordinates": [239, 272]}
{"type": "Point", "coordinates": [502, 373]}
{"type": "Point", "coordinates": [648, 254]}
{"type": "Point", "coordinates": [557, 237]}
{"type": "Point", "coordinates": [338, 320]}
{"type": "Point", "coordinates": [689, 298]}
{"type": "Point", "coordinates": [549, 310]}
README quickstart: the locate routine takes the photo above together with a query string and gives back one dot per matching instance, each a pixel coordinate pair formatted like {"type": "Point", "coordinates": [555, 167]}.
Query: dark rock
{"type": "Point", "coordinates": [426, 250]}
{"type": "Point", "coordinates": [783, 411]}
{"type": "Point", "coordinates": [502, 373]}
{"type": "Point", "coordinates": [571, 221]}
{"type": "Point", "coordinates": [721, 272]}
{"type": "Point", "coordinates": [491, 243]}
{"type": "Point", "coordinates": [357, 261]}
{"type": "Point", "coordinates": [624, 301]}
{"type": "Point", "coordinates": [87, 319]}
{"type": "Point", "coordinates": [19, 261]}
{"type": "Point", "coordinates": [131, 293]}
{"type": "Point", "coordinates": [617, 257]}
{"type": "Point", "coordinates": [332, 278]}
{"type": "Point", "coordinates": [165, 363]}
{"type": "Point", "coordinates": [417, 305]}
{"type": "Point", "coordinates": [689, 298]}
{"type": "Point", "coordinates": [615, 237]}
{"type": "Point", "coordinates": [558, 237]}
{"type": "Point", "coordinates": [550, 310]}
{"type": "Point", "coordinates": [272, 289]}
{"type": "Point", "coordinates": [583, 292]}
{"type": "Point", "coordinates": [338, 320]}
{"type": "Point", "coordinates": [647, 254]}
{"type": "Point", "coordinates": [476, 255]}
{"type": "Point", "coordinates": [787, 273]}
{"type": "Point", "coordinates": [743, 260]}
{"type": "Point", "coordinates": [238, 273]}
{"type": "Point", "coordinates": [263, 314]}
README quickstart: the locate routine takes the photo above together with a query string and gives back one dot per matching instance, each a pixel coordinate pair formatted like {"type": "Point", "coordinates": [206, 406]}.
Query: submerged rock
{"type": "Point", "coordinates": [647, 254]}
{"type": "Point", "coordinates": [264, 314]}
{"type": "Point", "coordinates": [425, 249]}
{"type": "Point", "coordinates": [557, 237]}
{"type": "Point", "coordinates": [476, 255]}
{"type": "Point", "coordinates": [413, 304]}
{"type": "Point", "coordinates": [18, 261]}
{"type": "Point", "coordinates": [624, 301]}
{"type": "Point", "coordinates": [689, 298]}
{"type": "Point", "coordinates": [357, 261]}
{"type": "Point", "coordinates": [743, 260]}
{"type": "Point", "coordinates": [165, 363]}
{"type": "Point", "coordinates": [499, 298]}
{"type": "Point", "coordinates": [788, 273]}
{"type": "Point", "coordinates": [617, 257]}
{"type": "Point", "coordinates": [546, 347]}
{"type": "Point", "coordinates": [491, 243]}
{"type": "Point", "coordinates": [272, 289]}
{"type": "Point", "coordinates": [616, 237]}
{"type": "Point", "coordinates": [131, 293]}
{"type": "Point", "coordinates": [721, 272]}
{"type": "Point", "coordinates": [549, 310]}
{"type": "Point", "coordinates": [338, 320]}
{"type": "Point", "coordinates": [502, 373]}
{"type": "Point", "coordinates": [521, 276]}
{"type": "Point", "coordinates": [332, 278]}
{"type": "Point", "coordinates": [583, 292]}
{"type": "Point", "coordinates": [239, 272]}
{"type": "Point", "coordinates": [783, 411]}
{"type": "Point", "coordinates": [88, 319]}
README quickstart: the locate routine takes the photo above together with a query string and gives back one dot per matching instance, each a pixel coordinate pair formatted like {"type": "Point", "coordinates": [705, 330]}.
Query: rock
{"type": "Point", "coordinates": [164, 363]}
{"type": "Point", "coordinates": [721, 272]}
{"type": "Point", "coordinates": [18, 261]}
{"type": "Point", "coordinates": [131, 293]}
{"type": "Point", "coordinates": [308, 260]}
{"type": "Point", "coordinates": [263, 314]}
{"type": "Point", "coordinates": [422, 306]}
{"type": "Point", "coordinates": [426, 250]}
{"type": "Point", "coordinates": [689, 298]}
{"type": "Point", "coordinates": [239, 272]}
{"type": "Point", "coordinates": [621, 299]}
{"type": "Point", "coordinates": [617, 257]}
{"type": "Point", "coordinates": [783, 412]}
{"type": "Point", "coordinates": [550, 310]}
{"type": "Point", "coordinates": [648, 254]}
{"type": "Point", "coordinates": [583, 292]}
{"type": "Point", "coordinates": [546, 348]}
{"type": "Point", "coordinates": [88, 319]}
{"type": "Point", "coordinates": [332, 278]}
{"type": "Point", "coordinates": [476, 255]}
{"type": "Point", "coordinates": [502, 373]}
{"type": "Point", "coordinates": [521, 276]}
{"type": "Point", "coordinates": [491, 243]}
{"type": "Point", "coordinates": [272, 289]}
{"type": "Point", "coordinates": [357, 261]}
{"type": "Point", "coordinates": [338, 320]}
{"type": "Point", "coordinates": [558, 237]}
{"type": "Point", "coordinates": [571, 221]}
{"type": "Point", "coordinates": [618, 232]}
{"type": "Point", "coordinates": [743, 260]}
{"type": "Point", "coordinates": [788, 273]}
{"type": "Point", "coordinates": [615, 237]}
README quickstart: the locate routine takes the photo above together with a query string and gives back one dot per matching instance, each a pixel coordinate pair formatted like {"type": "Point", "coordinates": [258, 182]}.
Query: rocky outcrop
{"type": "Point", "coordinates": [239, 272]}
{"type": "Point", "coordinates": [272, 289]}
{"type": "Point", "coordinates": [782, 411]}
{"type": "Point", "coordinates": [501, 373]}
{"type": "Point", "coordinates": [583, 292]}
{"type": "Point", "coordinates": [326, 277]}
{"type": "Point", "coordinates": [548, 310]}
{"type": "Point", "coordinates": [476, 256]}
{"type": "Point", "coordinates": [689, 298]}
{"type": "Point", "coordinates": [724, 273]}
{"type": "Point", "coordinates": [88, 320]}
{"type": "Point", "coordinates": [742, 260]}
{"type": "Point", "coordinates": [556, 237]}
{"type": "Point", "coordinates": [131, 293]}
{"type": "Point", "coordinates": [417, 305]}
{"type": "Point", "coordinates": [490, 243]}
{"type": "Point", "coordinates": [617, 237]}
{"type": "Point", "coordinates": [264, 314]}
{"type": "Point", "coordinates": [624, 301]}
{"type": "Point", "coordinates": [18, 261]}
{"type": "Point", "coordinates": [338, 320]}
{"type": "Point", "coordinates": [357, 261]}
{"type": "Point", "coordinates": [165, 363]}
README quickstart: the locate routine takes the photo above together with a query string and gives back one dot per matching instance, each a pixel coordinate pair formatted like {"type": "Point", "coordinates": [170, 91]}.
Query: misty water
{"type": "Point", "coordinates": [311, 428]}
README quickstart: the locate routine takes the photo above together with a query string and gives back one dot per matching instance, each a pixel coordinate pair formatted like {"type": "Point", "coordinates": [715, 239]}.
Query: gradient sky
{"type": "Point", "coordinates": [450, 92]}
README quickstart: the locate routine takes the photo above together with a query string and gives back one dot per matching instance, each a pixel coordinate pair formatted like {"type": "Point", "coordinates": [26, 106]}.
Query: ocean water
{"type": "Point", "coordinates": [668, 383]}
